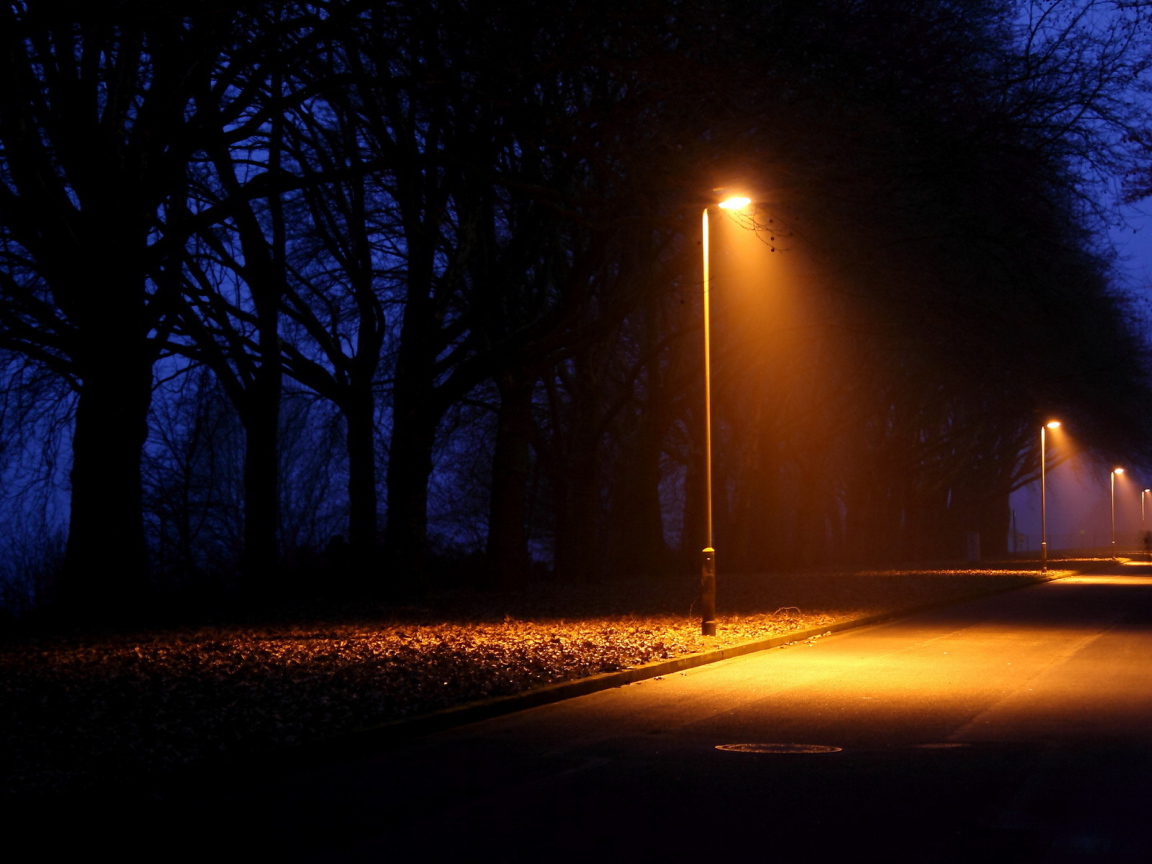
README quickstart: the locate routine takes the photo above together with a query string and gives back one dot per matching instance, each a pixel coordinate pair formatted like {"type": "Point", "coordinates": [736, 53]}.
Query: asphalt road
{"type": "Point", "coordinates": [1014, 728]}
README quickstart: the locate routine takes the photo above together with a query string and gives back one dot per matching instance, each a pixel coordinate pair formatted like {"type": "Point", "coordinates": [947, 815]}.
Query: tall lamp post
{"type": "Point", "coordinates": [708, 556]}
{"type": "Point", "coordinates": [1115, 471]}
{"type": "Point", "coordinates": [1053, 424]}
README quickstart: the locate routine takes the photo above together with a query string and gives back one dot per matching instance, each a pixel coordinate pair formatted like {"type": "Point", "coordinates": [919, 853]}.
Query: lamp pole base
{"type": "Point", "coordinates": [708, 592]}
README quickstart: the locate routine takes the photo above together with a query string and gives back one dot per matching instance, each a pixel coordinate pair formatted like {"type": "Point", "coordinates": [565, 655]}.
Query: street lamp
{"type": "Point", "coordinates": [1053, 424]}
{"type": "Point", "coordinates": [1115, 471]}
{"type": "Point", "coordinates": [708, 556]}
{"type": "Point", "coordinates": [1144, 538]}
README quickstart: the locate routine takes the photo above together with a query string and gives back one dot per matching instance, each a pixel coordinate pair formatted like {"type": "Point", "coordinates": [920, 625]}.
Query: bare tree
{"type": "Point", "coordinates": [96, 126]}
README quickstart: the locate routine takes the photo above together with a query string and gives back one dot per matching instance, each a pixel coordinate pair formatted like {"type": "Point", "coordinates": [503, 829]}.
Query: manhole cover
{"type": "Point", "coordinates": [778, 748]}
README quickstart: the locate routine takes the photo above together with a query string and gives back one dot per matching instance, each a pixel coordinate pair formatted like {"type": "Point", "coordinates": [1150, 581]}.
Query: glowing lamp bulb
{"type": "Point", "coordinates": [734, 203]}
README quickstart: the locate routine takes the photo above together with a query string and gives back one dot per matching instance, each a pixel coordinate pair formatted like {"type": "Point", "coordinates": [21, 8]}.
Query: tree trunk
{"type": "Point", "coordinates": [415, 418]}
{"type": "Point", "coordinates": [637, 529]}
{"type": "Point", "coordinates": [105, 566]}
{"type": "Point", "coordinates": [261, 418]}
{"type": "Point", "coordinates": [362, 498]}
{"type": "Point", "coordinates": [406, 525]}
{"type": "Point", "coordinates": [507, 562]}
{"type": "Point", "coordinates": [575, 481]}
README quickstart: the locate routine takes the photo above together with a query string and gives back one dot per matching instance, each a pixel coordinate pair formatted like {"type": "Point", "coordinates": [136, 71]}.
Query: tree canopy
{"type": "Point", "coordinates": [426, 276]}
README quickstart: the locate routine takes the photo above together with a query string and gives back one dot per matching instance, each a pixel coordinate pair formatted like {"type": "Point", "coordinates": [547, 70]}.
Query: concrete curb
{"type": "Point", "coordinates": [461, 715]}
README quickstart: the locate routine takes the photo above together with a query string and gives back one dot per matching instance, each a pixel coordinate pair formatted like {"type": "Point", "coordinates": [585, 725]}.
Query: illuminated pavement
{"type": "Point", "coordinates": [1014, 728]}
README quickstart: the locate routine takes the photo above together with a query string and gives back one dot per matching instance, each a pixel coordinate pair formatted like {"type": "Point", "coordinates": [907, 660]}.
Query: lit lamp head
{"type": "Point", "coordinates": [1117, 470]}
{"type": "Point", "coordinates": [1053, 424]}
{"type": "Point", "coordinates": [735, 203]}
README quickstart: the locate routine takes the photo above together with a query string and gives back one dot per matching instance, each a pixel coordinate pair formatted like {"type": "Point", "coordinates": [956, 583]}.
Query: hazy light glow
{"type": "Point", "coordinates": [736, 203]}
{"type": "Point", "coordinates": [1053, 424]}
{"type": "Point", "coordinates": [1117, 470]}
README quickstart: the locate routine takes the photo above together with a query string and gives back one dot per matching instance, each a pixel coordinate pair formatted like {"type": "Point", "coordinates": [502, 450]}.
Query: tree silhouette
{"type": "Point", "coordinates": [96, 129]}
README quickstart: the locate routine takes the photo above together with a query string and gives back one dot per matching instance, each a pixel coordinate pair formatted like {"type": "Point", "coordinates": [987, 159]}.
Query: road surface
{"type": "Point", "coordinates": [1014, 728]}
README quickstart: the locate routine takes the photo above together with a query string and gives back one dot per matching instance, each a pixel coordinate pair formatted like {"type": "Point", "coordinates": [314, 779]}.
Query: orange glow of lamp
{"type": "Point", "coordinates": [734, 203]}
{"type": "Point", "coordinates": [708, 567]}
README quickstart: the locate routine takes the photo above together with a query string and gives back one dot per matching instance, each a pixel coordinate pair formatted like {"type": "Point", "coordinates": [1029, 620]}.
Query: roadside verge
{"type": "Point", "coordinates": [460, 715]}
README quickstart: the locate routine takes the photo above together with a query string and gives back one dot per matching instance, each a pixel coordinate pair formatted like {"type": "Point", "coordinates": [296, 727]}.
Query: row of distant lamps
{"type": "Point", "coordinates": [708, 568]}
{"type": "Point", "coordinates": [1055, 424]}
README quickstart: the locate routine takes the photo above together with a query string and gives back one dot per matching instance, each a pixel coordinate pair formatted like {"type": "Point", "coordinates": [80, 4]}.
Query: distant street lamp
{"type": "Point", "coordinates": [708, 568]}
{"type": "Point", "coordinates": [1053, 424]}
{"type": "Point", "coordinates": [1144, 538]}
{"type": "Point", "coordinates": [1115, 471]}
